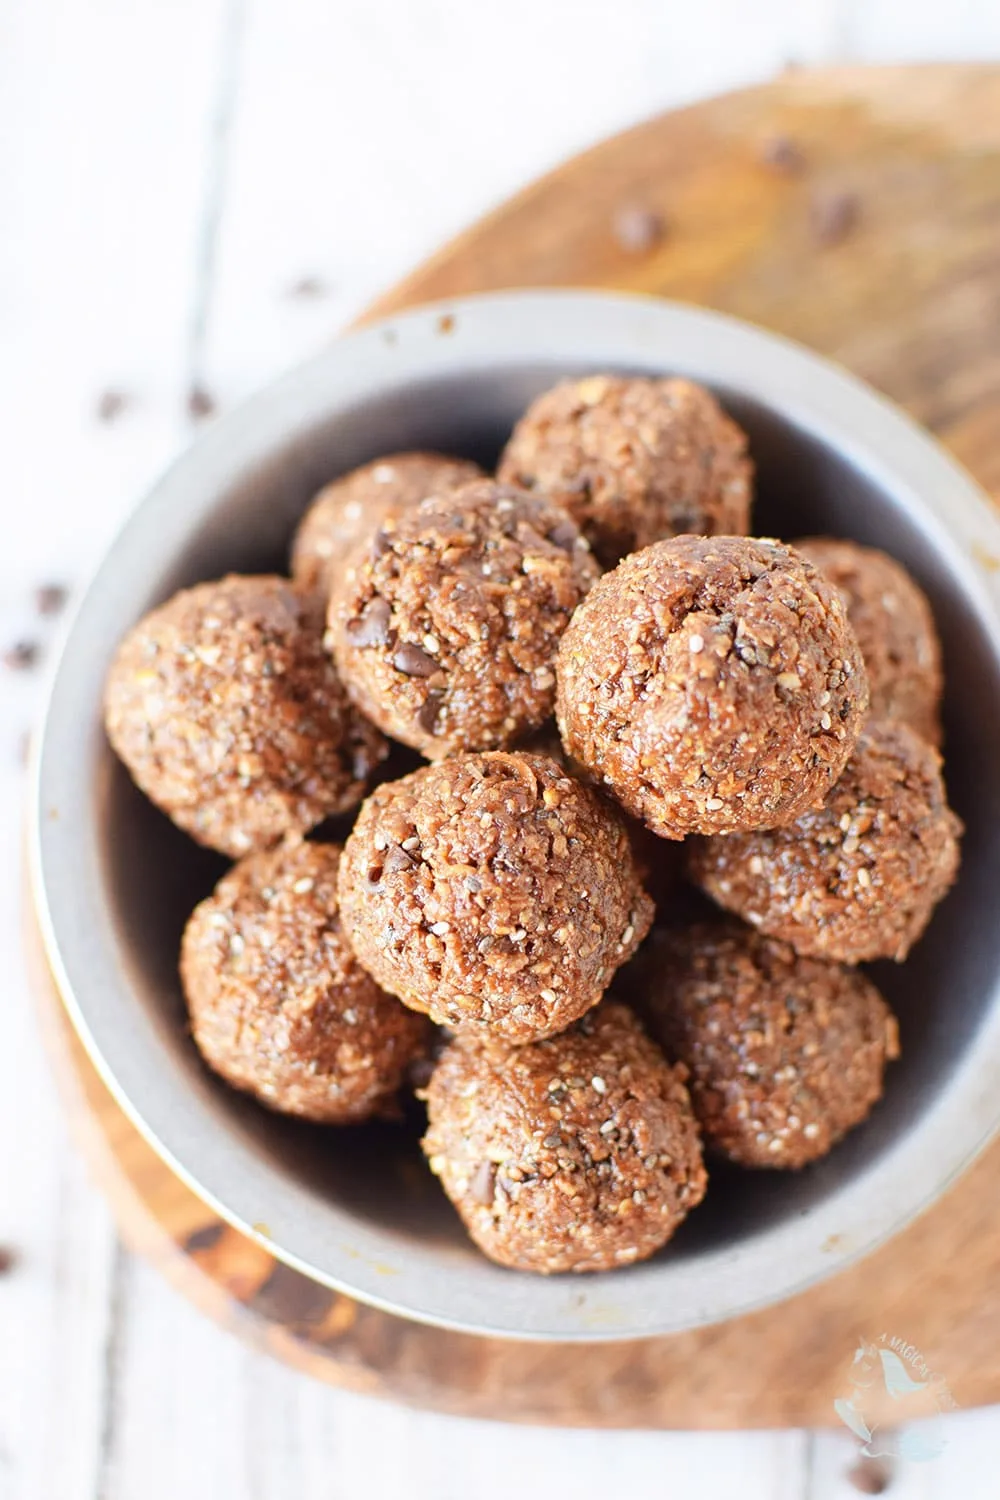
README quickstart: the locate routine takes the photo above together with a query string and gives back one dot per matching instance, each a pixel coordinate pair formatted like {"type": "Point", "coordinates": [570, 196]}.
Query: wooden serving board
{"type": "Point", "coordinates": [857, 210]}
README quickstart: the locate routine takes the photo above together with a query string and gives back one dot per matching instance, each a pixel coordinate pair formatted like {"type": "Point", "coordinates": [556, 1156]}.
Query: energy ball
{"type": "Point", "coordinates": [634, 460]}
{"type": "Point", "coordinates": [895, 628]}
{"type": "Point", "coordinates": [711, 685]}
{"type": "Point", "coordinates": [785, 1054]}
{"type": "Point", "coordinates": [580, 1153]}
{"type": "Point", "coordinates": [280, 1006]}
{"type": "Point", "coordinates": [493, 892]}
{"type": "Point", "coordinates": [231, 718]}
{"type": "Point", "coordinates": [354, 506]}
{"type": "Point", "coordinates": [445, 631]}
{"type": "Point", "coordinates": [857, 878]}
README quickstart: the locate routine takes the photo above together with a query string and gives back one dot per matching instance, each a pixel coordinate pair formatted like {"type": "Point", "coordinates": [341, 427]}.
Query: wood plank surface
{"type": "Point", "coordinates": [908, 294]}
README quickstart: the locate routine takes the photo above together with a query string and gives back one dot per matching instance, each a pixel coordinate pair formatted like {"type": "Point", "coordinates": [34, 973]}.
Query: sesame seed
{"type": "Point", "coordinates": [756, 865]}
{"type": "Point", "coordinates": [628, 935]}
{"type": "Point", "coordinates": [824, 699]}
{"type": "Point", "coordinates": [774, 1146]}
{"type": "Point", "coordinates": [811, 1131]}
{"type": "Point", "coordinates": [696, 643]}
{"type": "Point", "coordinates": [518, 935]}
{"type": "Point", "coordinates": [844, 823]}
{"type": "Point", "coordinates": [714, 803]}
{"type": "Point", "coordinates": [411, 843]}
{"type": "Point", "coordinates": [549, 996]}
{"type": "Point", "coordinates": [649, 1162]}
{"type": "Point", "coordinates": [608, 1127]}
{"type": "Point", "coordinates": [825, 721]}
{"type": "Point", "coordinates": [864, 878]}
{"type": "Point", "coordinates": [302, 886]}
{"type": "Point", "coordinates": [439, 928]}
{"type": "Point", "coordinates": [638, 1196]}
{"type": "Point", "coordinates": [598, 1084]}
{"type": "Point", "coordinates": [236, 944]}
{"type": "Point", "coordinates": [789, 680]}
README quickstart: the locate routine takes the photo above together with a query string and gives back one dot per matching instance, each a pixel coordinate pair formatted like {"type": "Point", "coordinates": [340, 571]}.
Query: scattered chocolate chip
{"type": "Point", "coordinates": [782, 153]}
{"type": "Point", "coordinates": [50, 598]}
{"type": "Point", "coordinates": [205, 1238]}
{"type": "Point", "coordinates": [396, 859]}
{"type": "Point", "coordinates": [637, 228]}
{"type": "Point", "coordinates": [20, 656]}
{"type": "Point", "coordinates": [413, 661]}
{"type": "Point", "coordinates": [870, 1476]}
{"type": "Point", "coordinates": [371, 627]}
{"type": "Point", "coordinates": [200, 403]}
{"type": "Point", "coordinates": [8, 1260]}
{"type": "Point", "coordinates": [552, 1142]}
{"type": "Point", "coordinates": [308, 288]}
{"type": "Point", "coordinates": [111, 404]}
{"type": "Point", "coordinates": [483, 1183]}
{"type": "Point", "coordinates": [430, 711]}
{"type": "Point", "coordinates": [833, 212]}
{"type": "Point", "coordinates": [564, 535]}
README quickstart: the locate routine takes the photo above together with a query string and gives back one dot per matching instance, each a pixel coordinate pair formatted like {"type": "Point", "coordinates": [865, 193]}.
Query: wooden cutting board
{"type": "Point", "coordinates": [857, 210]}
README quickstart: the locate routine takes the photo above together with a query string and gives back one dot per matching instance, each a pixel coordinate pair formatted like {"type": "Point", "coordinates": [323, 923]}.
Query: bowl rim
{"type": "Point", "coordinates": [564, 327]}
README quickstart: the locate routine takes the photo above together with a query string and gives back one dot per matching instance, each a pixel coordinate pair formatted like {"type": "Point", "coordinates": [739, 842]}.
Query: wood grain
{"type": "Point", "coordinates": [909, 297]}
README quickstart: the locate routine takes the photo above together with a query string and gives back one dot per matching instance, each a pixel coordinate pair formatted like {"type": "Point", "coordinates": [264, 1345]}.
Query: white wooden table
{"type": "Point", "coordinates": [193, 195]}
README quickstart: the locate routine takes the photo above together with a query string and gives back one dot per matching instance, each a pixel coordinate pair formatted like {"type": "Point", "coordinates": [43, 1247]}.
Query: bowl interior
{"type": "Point", "coordinates": [356, 1207]}
{"type": "Point", "coordinates": [154, 875]}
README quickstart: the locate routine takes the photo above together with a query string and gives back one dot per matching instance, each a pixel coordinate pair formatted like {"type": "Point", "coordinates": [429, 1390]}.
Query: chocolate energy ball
{"type": "Point", "coordinates": [580, 1153]}
{"type": "Point", "coordinates": [445, 631]}
{"type": "Point", "coordinates": [350, 509]}
{"type": "Point", "coordinates": [785, 1054]}
{"type": "Point", "coordinates": [857, 878]}
{"type": "Point", "coordinates": [493, 892]}
{"type": "Point", "coordinates": [231, 718]}
{"type": "Point", "coordinates": [634, 460]}
{"type": "Point", "coordinates": [895, 628]}
{"type": "Point", "coordinates": [712, 684]}
{"type": "Point", "coordinates": [280, 1006]}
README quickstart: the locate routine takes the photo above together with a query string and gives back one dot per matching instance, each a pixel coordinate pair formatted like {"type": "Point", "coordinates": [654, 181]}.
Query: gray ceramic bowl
{"type": "Point", "coordinates": [114, 880]}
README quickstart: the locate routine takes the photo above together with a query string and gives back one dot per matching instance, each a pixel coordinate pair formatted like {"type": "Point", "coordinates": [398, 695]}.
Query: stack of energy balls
{"type": "Point", "coordinates": [597, 662]}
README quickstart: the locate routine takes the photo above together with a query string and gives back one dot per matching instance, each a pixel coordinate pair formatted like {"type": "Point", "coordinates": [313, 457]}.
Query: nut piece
{"type": "Point", "coordinates": [634, 460]}
{"type": "Point", "coordinates": [712, 685]}
{"type": "Point", "coordinates": [579, 1153]}
{"type": "Point", "coordinates": [351, 509]}
{"type": "Point", "coordinates": [895, 628]}
{"type": "Point", "coordinates": [445, 630]}
{"type": "Point", "coordinates": [231, 718]}
{"type": "Point", "coordinates": [786, 1054]}
{"type": "Point", "coordinates": [280, 1006]}
{"type": "Point", "coordinates": [857, 878]}
{"type": "Point", "coordinates": [493, 892]}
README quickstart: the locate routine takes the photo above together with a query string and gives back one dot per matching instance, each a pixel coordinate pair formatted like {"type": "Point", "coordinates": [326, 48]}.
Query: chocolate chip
{"type": "Point", "coordinates": [430, 711]}
{"type": "Point", "coordinates": [200, 403]}
{"type": "Point", "coordinates": [638, 228]}
{"type": "Point", "coordinates": [552, 1142]}
{"type": "Point", "coordinates": [20, 656]}
{"type": "Point", "coordinates": [380, 543]}
{"type": "Point", "coordinates": [371, 627]}
{"type": "Point", "coordinates": [413, 661]}
{"type": "Point", "coordinates": [483, 1182]}
{"type": "Point", "coordinates": [50, 598]}
{"type": "Point", "coordinates": [8, 1260]}
{"type": "Point", "coordinates": [111, 404]}
{"type": "Point", "coordinates": [782, 153]}
{"type": "Point", "coordinates": [309, 288]}
{"type": "Point", "coordinates": [564, 535]}
{"type": "Point", "coordinates": [833, 212]}
{"type": "Point", "coordinates": [396, 859]}
{"type": "Point", "coordinates": [871, 1476]}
